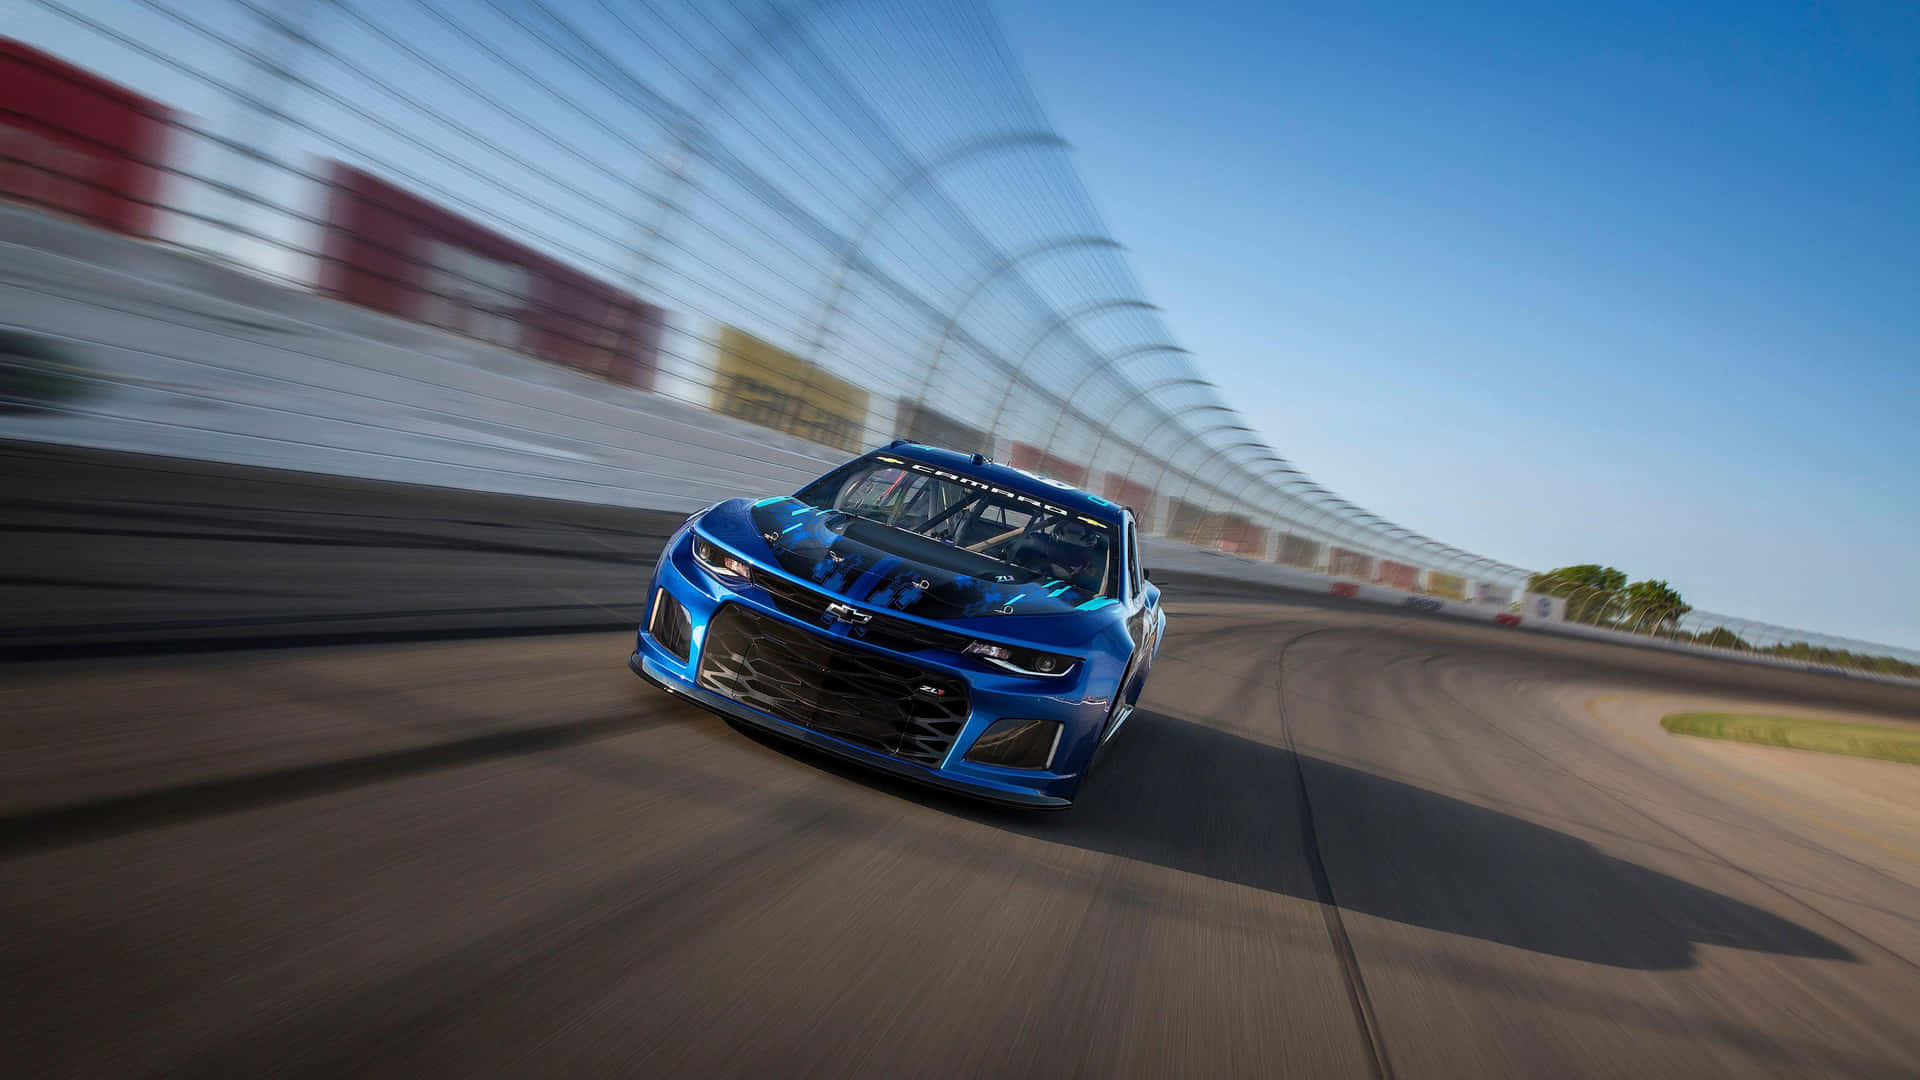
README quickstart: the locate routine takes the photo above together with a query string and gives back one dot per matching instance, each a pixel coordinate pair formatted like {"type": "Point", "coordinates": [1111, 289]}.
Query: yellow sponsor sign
{"type": "Point", "coordinates": [1449, 586]}
{"type": "Point", "coordinates": [767, 385]}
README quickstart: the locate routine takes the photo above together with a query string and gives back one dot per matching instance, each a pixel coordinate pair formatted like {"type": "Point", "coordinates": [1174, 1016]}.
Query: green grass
{"type": "Point", "coordinates": [1859, 740]}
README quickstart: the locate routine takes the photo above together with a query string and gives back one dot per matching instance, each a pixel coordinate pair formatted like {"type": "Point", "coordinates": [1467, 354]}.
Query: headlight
{"type": "Point", "coordinates": [1024, 661]}
{"type": "Point", "coordinates": [718, 559]}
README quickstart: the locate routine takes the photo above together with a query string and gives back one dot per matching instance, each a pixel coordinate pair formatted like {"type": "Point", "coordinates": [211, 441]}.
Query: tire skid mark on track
{"type": "Point", "coordinates": [63, 826]}
{"type": "Point", "coordinates": [1759, 1042]}
{"type": "Point", "coordinates": [232, 635]}
{"type": "Point", "coordinates": [98, 584]}
{"type": "Point", "coordinates": [666, 910]}
{"type": "Point", "coordinates": [1379, 1064]}
{"type": "Point", "coordinates": [1639, 811]}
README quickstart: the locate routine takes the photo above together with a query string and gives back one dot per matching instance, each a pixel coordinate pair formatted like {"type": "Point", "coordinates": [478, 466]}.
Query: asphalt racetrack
{"type": "Point", "coordinates": [311, 777]}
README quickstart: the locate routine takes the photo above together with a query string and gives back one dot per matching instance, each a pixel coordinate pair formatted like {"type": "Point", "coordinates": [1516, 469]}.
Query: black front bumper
{"type": "Point", "coordinates": [861, 755]}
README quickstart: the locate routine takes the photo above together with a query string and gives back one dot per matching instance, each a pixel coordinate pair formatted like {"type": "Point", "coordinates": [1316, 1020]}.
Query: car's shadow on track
{"type": "Point", "coordinates": [1204, 801]}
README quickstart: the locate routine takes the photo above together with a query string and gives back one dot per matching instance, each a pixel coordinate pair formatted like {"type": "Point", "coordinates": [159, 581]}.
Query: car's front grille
{"type": "Point", "coordinates": [792, 597]}
{"type": "Point", "coordinates": [809, 679]}
{"type": "Point", "coordinates": [885, 631]}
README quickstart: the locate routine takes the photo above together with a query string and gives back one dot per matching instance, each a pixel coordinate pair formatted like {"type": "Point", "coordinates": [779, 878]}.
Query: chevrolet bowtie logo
{"type": "Point", "coordinates": [848, 614]}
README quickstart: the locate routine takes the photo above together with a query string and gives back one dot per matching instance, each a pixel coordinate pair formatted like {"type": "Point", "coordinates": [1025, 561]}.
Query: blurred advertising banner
{"type": "Point", "coordinates": [1233, 534]}
{"type": "Point", "coordinates": [1446, 586]}
{"type": "Point", "coordinates": [1035, 460]}
{"type": "Point", "coordinates": [767, 385]}
{"type": "Point", "coordinates": [1344, 563]}
{"type": "Point", "coordinates": [1183, 519]}
{"type": "Point", "coordinates": [1399, 575]}
{"type": "Point", "coordinates": [1544, 607]}
{"type": "Point", "coordinates": [392, 251]}
{"type": "Point", "coordinates": [1240, 536]}
{"type": "Point", "coordinates": [1486, 592]}
{"type": "Point", "coordinates": [76, 144]}
{"type": "Point", "coordinates": [916, 422]}
{"type": "Point", "coordinates": [1299, 551]}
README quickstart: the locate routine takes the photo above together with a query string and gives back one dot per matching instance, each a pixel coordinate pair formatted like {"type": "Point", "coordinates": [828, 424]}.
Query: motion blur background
{"type": "Point", "coordinates": [358, 356]}
{"type": "Point", "coordinates": [644, 255]}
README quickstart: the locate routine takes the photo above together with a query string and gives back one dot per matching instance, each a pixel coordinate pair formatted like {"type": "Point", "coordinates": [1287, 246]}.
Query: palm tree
{"type": "Point", "coordinates": [1653, 604]}
{"type": "Point", "coordinates": [1589, 589]}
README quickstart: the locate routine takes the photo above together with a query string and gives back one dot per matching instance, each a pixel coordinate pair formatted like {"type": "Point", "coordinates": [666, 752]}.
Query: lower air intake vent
{"type": "Point", "coordinates": [670, 625]}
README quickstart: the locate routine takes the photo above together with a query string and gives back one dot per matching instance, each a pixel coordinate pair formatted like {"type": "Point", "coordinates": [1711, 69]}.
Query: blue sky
{"type": "Point", "coordinates": [1637, 284]}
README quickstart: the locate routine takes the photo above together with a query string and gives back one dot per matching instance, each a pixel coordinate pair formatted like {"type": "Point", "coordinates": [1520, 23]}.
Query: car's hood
{"type": "Point", "coordinates": [886, 569]}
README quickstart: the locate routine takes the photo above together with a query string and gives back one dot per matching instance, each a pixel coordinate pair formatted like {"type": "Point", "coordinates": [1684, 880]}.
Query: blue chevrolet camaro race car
{"type": "Point", "coordinates": [930, 613]}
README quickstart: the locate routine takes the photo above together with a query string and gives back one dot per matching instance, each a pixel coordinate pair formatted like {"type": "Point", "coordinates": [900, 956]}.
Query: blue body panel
{"type": "Point", "coordinates": [1114, 641]}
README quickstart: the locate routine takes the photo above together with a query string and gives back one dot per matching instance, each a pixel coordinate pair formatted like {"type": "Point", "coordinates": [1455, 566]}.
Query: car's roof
{"type": "Point", "coordinates": [1061, 494]}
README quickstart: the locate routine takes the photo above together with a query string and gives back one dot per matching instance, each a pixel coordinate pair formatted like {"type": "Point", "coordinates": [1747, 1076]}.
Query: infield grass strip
{"type": "Point", "coordinates": [1859, 740]}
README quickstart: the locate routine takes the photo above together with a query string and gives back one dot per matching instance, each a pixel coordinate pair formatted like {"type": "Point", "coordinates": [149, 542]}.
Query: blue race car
{"type": "Point", "coordinates": [929, 613]}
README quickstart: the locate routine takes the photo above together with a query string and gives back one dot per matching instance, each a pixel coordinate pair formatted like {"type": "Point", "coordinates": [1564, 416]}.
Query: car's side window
{"type": "Point", "coordinates": [1134, 569]}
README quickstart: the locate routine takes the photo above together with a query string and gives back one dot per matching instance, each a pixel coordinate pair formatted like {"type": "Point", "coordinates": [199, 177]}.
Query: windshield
{"type": "Point", "coordinates": [1005, 526]}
